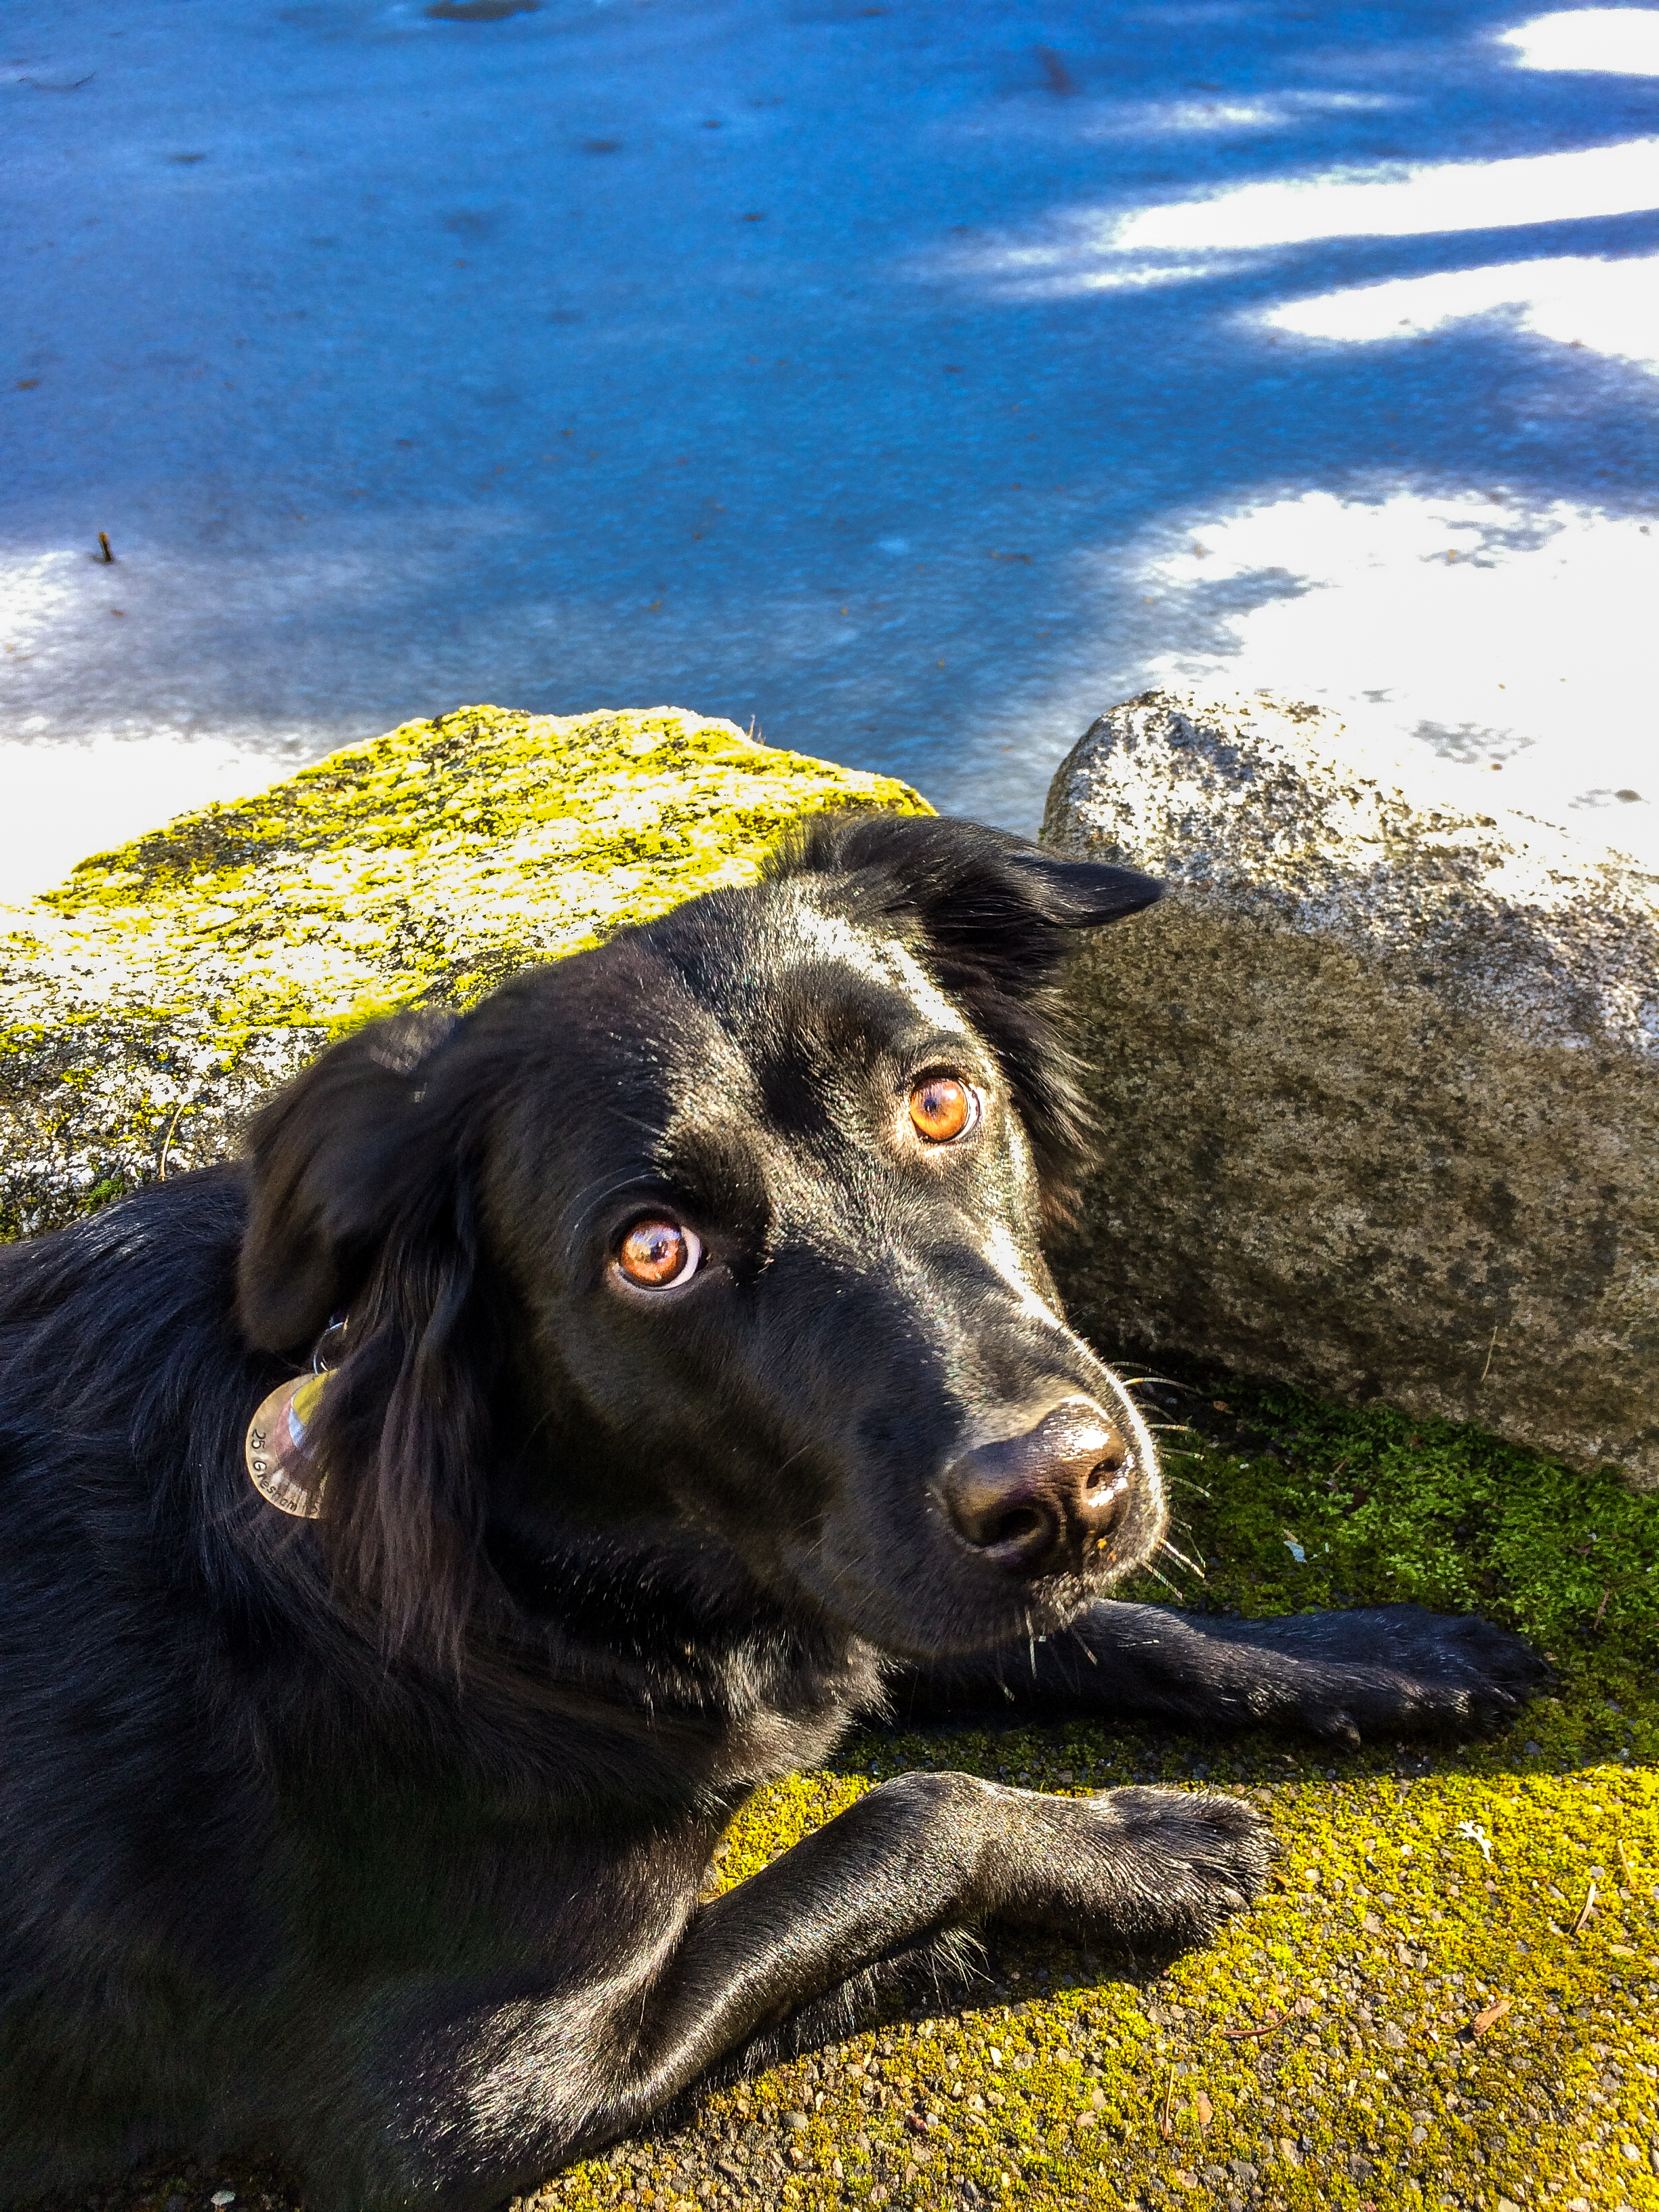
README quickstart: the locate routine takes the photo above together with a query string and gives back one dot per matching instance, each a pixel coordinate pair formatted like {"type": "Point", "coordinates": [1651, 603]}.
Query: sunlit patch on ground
{"type": "Point", "coordinates": [1084, 248]}
{"type": "Point", "coordinates": [84, 796]}
{"type": "Point", "coordinates": [1609, 307]}
{"type": "Point", "coordinates": [1604, 41]}
{"type": "Point", "coordinates": [1391, 2026]}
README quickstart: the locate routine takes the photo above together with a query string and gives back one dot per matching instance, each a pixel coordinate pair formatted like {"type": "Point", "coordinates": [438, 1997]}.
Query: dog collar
{"type": "Point", "coordinates": [276, 1448]}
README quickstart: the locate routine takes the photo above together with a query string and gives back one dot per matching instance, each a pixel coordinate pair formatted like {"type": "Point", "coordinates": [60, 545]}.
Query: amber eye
{"type": "Point", "coordinates": [657, 1254]}
{"type": "Point", "coordinates": [942, 1108]}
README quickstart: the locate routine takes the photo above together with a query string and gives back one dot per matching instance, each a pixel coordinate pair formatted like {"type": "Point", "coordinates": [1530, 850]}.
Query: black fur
{"type": "Point", "coordinates": [375, 1840]}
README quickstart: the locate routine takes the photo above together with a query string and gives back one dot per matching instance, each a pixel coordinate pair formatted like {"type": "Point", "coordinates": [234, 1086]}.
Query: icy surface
{"type": "Point", "coordinates": [915, 381]}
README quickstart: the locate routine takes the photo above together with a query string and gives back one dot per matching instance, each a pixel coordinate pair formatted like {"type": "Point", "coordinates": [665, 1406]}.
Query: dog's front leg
{"type": "Point", "coordinates": [1381, 1670]}
{"type": "Point", "coordinates": [500, 2096]}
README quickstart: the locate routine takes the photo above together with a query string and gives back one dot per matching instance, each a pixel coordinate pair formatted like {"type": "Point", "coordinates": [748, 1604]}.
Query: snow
{"type": "Point", "coordinates": [870, 372]}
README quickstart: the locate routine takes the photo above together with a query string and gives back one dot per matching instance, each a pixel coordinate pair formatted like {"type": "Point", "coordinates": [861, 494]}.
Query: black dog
{"type": "Point", "coordinates": [696, 1383]}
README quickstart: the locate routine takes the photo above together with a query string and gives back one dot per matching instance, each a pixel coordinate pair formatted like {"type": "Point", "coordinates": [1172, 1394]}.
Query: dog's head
{"type": "Point", "coordinates": [727, 1229]}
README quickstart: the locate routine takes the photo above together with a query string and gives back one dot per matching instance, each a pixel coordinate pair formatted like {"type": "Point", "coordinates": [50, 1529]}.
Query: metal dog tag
{"type": "Point", "coordinates": [276, 1452]}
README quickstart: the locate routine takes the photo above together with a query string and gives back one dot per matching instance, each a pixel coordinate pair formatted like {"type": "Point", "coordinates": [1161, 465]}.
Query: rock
{"type": "Point", "coordinates": [157, 994]}
{"type": "Point", "coordinates": [1379, 1084]}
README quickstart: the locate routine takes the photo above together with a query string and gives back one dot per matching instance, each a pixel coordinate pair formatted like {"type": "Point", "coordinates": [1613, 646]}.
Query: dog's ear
{"type": "Point", "coordinates": [320, 1169]}
{"type": "Point", "coordinates": [362, 1203]}
{"type": "Point", "coordinates": [406, 1427]}
{"type": "Point", "coordinates": [999, 917]}
{"type": "Point", "coordinates": [994, 907]}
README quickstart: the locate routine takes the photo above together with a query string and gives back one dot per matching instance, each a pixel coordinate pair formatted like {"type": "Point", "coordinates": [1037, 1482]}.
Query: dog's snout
{"type": "Point", "coordinates": [1047, 1499]}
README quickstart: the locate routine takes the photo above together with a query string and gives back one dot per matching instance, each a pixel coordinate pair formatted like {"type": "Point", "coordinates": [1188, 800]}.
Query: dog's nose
{"type": "Point", "coordinates": [1047, 1499]}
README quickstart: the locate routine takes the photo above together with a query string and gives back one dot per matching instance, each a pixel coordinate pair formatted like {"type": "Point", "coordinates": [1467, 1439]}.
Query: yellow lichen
{"type": "Point", "coordinates": [153, 996]}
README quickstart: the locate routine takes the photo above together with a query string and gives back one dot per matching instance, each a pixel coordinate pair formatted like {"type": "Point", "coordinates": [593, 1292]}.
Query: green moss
{"type": "Point", "coordinates": [1422, 1509]}
{"type": "Point", "coordinates": [1387, 1930]}
{"type": "Point", "coordinates": [155, 995]}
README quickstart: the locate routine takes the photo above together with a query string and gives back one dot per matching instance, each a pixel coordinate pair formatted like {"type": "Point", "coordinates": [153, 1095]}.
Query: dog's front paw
{"type": "Point", "coordinates": [1141, 1870]}
{"type": "Point", "coordinates": [1193, 1857]}
{"type": "Point", "coordinates": [1398, 1670]}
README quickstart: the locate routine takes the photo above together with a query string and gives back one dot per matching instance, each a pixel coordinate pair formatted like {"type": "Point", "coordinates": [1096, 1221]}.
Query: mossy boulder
{"type": "Point", "coordinates": [155, 996]}
{"type": "Point", "coordinates": [1379, 1082]}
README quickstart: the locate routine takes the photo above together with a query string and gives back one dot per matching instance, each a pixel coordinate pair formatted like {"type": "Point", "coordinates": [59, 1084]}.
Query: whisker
{"type": "Point", "coordinates": [1175, 1553]}
{"type": "Point", "coordinates": [1149, 1568]}
{"type": "Point", "coordinates": [1181, 1482]}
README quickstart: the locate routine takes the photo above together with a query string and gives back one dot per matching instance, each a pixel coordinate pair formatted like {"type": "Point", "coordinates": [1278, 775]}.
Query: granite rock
{"type": "Point", "coordinates": [1378, 1083]}
{"type": "Point", "coordinates": [149, 1003]}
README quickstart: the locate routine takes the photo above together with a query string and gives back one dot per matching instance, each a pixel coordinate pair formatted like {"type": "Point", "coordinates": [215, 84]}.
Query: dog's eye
{"type": "Point", "coordinates": [942, 1108]}
{"type": "Point", "coordinates": [657, 1254]}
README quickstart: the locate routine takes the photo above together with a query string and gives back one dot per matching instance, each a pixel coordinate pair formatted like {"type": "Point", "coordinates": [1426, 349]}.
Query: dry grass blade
{"type": "Point", "coordinates": [1585, 1912]}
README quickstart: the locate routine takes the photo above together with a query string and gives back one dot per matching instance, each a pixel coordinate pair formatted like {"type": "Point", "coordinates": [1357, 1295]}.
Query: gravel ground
{"type": "Point", "coordinates": [1333, 2049]}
